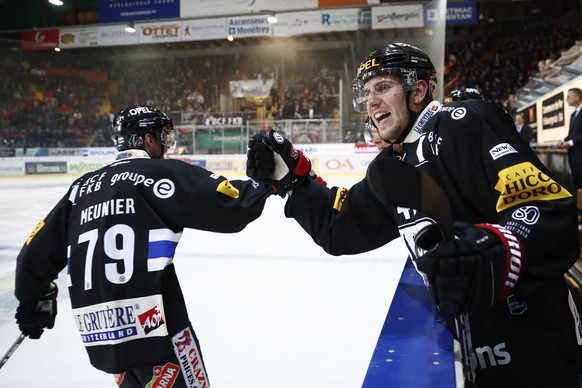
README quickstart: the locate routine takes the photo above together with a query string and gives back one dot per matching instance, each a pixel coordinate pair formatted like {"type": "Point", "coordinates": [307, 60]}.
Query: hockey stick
{"type": "Point", "coordinates": [396, 183]}
{"type": "Point", "coordinates": [12, 349]}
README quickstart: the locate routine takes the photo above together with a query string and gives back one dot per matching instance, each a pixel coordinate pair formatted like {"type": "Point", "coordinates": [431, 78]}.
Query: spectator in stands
{"type": "Point", "coordinates": [496, 61]}
{"type": "Point", "coordinates": [350, 137]}
{"type": "Point", "coordinates": [573, 142]}
{"type": "Point", "coordinates": [523, 128]}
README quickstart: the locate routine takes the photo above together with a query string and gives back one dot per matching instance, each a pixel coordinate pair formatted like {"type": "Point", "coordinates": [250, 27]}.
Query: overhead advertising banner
{"type": "Point", "coordinates": [201, 8]}
{"type": "Point", "coordinates": [246, 26]}
{"type": "Point", "coordinates": [297, 23]}
{"type": "Point", "coordinates": [39, 40]}
{"type": "Point", "coordinates": [397, 16]}
{"type": "Point", "coordinates": [78, 37]}
{"type": "Point", "coordinates": [159, 32]}
{"type": "Point", "coordinates": [204, 29]}
{"type": "Point", "coordinates": [109, 11]}
{"type": "Point", "coordinates": [221, 121]}
{"type": "Point", "coordinates": [115, 36]}
{"type": "Point", "coordinates": [251, 88]}
{"type": "Point", "coordinates": [343, 3]}
{"type": "Point", "coordinates": [457, 13]}
{"type": "Point", "coordinates": [339, 20]}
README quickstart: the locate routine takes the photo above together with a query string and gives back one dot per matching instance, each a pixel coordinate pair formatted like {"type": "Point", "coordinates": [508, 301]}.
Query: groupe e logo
{"type": "Point", "coordinates": [164, 188]}
{"type": "Point", "coordinates": [458, 113]}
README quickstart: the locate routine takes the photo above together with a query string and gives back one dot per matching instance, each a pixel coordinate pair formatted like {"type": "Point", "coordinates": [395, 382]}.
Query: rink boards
{"type": "Point", "coordinates": [414, 349]}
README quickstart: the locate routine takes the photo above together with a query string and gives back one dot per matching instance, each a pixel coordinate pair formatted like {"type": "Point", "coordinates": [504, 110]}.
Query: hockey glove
{"type": "Point", "coordinates": [260, 159]}
{"type": "Point", "coordinates": [469, 273]}
{"type": "Point", "coordinates": [273, 159]}
{"type": "Point", "coordinates": [33, 317]}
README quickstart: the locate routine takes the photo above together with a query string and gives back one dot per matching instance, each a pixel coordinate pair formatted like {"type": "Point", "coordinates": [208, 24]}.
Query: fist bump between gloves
{"type": "Point", "coordinates": [471, 272]}
{"type": "Point", "coordinates": [273, 159]}
{"type": "Point", "coordinates": [33, 317]}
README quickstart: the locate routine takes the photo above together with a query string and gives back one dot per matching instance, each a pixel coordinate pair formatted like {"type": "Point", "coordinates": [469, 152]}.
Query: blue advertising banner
{"type": "Point", "coordinates": [457, 13]}
{"type": "Point", "coordinates": [110, 11]}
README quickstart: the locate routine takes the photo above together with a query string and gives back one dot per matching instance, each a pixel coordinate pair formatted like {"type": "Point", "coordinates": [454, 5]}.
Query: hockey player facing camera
{"type": "Point", "coordinates": [116, 231]}
{"type": "Point", "coordinates": [516, 227]}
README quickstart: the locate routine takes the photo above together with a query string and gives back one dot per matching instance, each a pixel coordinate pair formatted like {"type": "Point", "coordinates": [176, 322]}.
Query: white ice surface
{"type": "Point", "coordinates": [271, 308]}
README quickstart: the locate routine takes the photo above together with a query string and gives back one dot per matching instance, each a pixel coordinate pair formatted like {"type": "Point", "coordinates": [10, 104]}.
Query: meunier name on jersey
{"type": "Point", "coordinates": [108, 208]}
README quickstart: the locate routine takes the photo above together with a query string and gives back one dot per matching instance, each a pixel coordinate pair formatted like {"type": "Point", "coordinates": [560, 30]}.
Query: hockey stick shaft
{"type": "Point", "coordinates": [396, 183]}
{"type": "Point", "coordinates": [12, 349]}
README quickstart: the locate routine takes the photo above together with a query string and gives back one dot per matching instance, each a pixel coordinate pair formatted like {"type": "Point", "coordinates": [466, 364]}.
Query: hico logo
{"type": "Point", "coordinates": [524, 182]}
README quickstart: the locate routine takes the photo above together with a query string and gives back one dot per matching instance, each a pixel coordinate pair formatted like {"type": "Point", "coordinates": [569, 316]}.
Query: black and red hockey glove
{"type": "Point", "coordinates": [273, 159]}
{"type": "Point", "coordinates": [471, 272]}
{"type": "Point", "coordinates": [33, 317]}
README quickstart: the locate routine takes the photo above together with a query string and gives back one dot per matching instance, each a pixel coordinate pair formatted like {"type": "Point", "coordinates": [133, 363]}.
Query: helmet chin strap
{"type": "Point", "coordinates": [155, 156]}
{"type": "Point", "coordinates": [162, 152]}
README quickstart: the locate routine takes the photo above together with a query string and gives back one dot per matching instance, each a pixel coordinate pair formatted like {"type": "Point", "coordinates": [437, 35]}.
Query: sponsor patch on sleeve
{"type": "Point", "coordinates": [164, 376]}
{"type": "Point", "coordinates": [226, 188]}
{"type": "Point", "coordinates": [524, 182]}
{"type": "Point", "coordinates": [37, 228]}
{"type": "Point", "coordinates": [190, 359]}
{"type": "Point", "coordinates": [340, 197]}
{"type": "Point", "coordinates": [502, 149]}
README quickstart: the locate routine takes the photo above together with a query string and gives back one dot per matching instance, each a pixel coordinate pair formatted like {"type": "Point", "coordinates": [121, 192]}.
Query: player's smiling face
{"type": "Point", "coordinates": [386, 106]}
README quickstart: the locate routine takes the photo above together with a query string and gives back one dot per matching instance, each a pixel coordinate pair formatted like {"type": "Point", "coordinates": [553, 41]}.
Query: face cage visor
{"type": "Point", "coordinates": [167, 136]}
{"type": "Point", "coordinates": [382, 86]}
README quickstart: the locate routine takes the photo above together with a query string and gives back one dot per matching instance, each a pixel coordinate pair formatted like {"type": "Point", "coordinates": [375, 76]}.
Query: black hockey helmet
{"type": "Point", "coordinates": [462, 95]}
{"type": "Point", "coordinates": [407, 62]}
{"type": "Point", "coordinates": [132, 124]}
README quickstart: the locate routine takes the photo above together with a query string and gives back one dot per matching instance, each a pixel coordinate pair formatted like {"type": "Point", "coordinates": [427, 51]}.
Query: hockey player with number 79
{"type": "Point", "coordinates": [116, 231]}
{"type": "Point", "coordinates": [515, 227]}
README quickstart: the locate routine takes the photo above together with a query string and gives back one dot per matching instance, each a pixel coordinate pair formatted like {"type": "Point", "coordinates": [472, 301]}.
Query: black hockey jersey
{"type": "Point", "coordinates": [471, 148]}
{"type": "Point", "coordinates": [116, 231]}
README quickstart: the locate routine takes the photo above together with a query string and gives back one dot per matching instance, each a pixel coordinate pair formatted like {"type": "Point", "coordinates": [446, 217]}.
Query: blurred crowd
{"type": "Point", "coordinates": [502, 58]}
{"type": "Point", "coordinates": [68, 100]}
